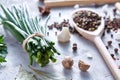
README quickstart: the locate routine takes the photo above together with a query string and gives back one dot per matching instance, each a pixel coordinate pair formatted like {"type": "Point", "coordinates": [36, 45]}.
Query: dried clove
{"type": "Point", "coordinates": [109, 43]}
{"type": "Point", "coordinates": [116, 50]}
{"type": "Point", "coordinates": [44, 11]}
{"type": "Point", "coordinates": [119, 44]}
{"type": "Point", "coordinates": [47, 33]}
{"type": "Point", "coordinates": [112, 55]}
{"type": "Point", "coordinates": [111, 35]}
{"type": "Point", "coordinates": [74, 46]}
{"type": "Point", "coordinates": [107, 47]}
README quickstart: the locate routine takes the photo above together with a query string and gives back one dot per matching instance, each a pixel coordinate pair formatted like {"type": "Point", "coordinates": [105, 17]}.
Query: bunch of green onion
{"type": "Point", "coordinates": [18, 21]}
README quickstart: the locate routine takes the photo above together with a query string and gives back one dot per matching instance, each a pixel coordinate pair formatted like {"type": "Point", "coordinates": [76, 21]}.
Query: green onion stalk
{"type": "Point", "coordinates": [3, 49]}
{"type": "Point", "coordinates": [19, 22]}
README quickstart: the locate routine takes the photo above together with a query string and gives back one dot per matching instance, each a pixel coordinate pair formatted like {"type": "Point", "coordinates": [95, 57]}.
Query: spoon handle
{"type": "Point", "coordinates": [108, 59]}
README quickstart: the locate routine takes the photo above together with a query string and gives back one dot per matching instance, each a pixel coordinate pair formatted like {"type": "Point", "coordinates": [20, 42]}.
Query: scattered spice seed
{"type": "Point", "coordinates": [108, 30]}
{"type": "Point", "coordinates": [109, 43]}
{"type": "Point", "coordinates": [111, 35]}
{"type": "Point", "coordinates": [47, 33]}
{"type": "Point", "coordinates": [116, 50]}
{"type": "Point", "coordinates": [103, 34]}
{"type": "Point", "coordinates": [74, 46]}
{"type": "Point", "coordinates": [112, 55]}
{"type": "Point", "coordinates": [119, 44]}
{"type": "Point", "coordinates": [117, 58]}
{"type": "Point", "coordinates": [114, 11]}
{"type": "Point", "coordinates": [59, 14]}
{"type": "Point", "coordinates": [107, 47]}
{"type": "Point", "coordinates": [44, 11]}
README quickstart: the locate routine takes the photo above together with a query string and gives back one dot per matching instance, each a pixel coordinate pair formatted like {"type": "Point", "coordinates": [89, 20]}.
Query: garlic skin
{"type": "Point", "coordinates": [83, 66]}
{"type": "Point", "coordinates": [64, 36]}
{"type": "Point", "coordinates": [67, 62]}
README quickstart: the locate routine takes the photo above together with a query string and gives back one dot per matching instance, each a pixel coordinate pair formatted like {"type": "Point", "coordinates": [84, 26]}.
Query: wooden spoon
{"type": "Point", "coordinates": [95, 37]}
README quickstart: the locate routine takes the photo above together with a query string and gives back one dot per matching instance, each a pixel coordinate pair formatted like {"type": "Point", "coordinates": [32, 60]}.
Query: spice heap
{"type": "Point", "coordinates": [87, 20]}
{"type": "Point", "coordinates": [59, 26]}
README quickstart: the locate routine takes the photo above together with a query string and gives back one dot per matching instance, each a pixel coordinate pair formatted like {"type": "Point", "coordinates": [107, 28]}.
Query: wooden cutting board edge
{"type": "Point", "coordinates": [61, 3]}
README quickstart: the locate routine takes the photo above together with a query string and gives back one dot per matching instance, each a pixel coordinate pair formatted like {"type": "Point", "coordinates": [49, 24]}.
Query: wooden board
{"type": "Point", "coordinates": [55, 3]}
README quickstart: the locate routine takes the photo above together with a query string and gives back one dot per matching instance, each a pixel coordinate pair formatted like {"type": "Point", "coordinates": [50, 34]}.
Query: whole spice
{"type": "Point", "coordinates": [109, 43]}
{"type": "Point", "coordinates": [87, 20]}
{"type": "Point", "coordinates": [83, 66]}
{"type": "Point", "coordinates": [116, 50]}
{"type": "Point", "coordinates": [119, 44]}
{"type": "Point", "coordinates": [113, 56]}
{"type": "Point", "coordinates": [107, 47]}
{"type": "Point", "coordinates": [74, 46]}
{"type": "Point", "coordinates": [45, 10]}
{"type": "Point", "coordinates": [3, 49]}
{"type": "Point", "coordinates": [29, 32]}
{"type": "Point", "coordinates": [111, 35]}
{"type": "Point", "coordinates": [47, 33]}
{"type": "Point", "coordinates": [67, 62]}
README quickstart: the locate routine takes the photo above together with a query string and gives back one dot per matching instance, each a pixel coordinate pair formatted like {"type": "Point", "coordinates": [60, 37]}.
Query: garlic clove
{"type": "Point", "coordinates": [83, 66]}
{"type": "Point", "coordinates": [67, 62]}
{"type": "Point", "coordinates": [117, 6]}
{"type": "Point", "coordinates": [64, 36]}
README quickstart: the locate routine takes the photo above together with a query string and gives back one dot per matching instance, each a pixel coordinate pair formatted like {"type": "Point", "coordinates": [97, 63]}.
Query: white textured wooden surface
{"type": "Point", "coordinates": [16, 56]}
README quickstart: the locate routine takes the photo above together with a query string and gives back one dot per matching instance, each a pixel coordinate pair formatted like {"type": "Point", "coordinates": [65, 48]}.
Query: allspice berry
{"type": "Point", "coordinates": [83, 66]}
{"type": "Point", "coordinates": [67, 62]}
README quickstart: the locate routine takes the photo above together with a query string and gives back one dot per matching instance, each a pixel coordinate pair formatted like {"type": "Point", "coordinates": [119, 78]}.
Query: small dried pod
{"type": "Point", "coordinates": [83, 66]}
{"type": "Point", "coordinates": [67, 62]}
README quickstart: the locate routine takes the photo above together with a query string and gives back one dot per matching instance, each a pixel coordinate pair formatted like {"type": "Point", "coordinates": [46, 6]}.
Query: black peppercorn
{"type": "Point", "coordinates": [111, 35]}
{"type": "Point", "coordinates": [109, 43]}
{"type": "Point", "coordinates": [107, 47]}
{"type": "Point", "coordinates": [119, 44]}
{"type": "Point", "coordinates": [74, 47]}
{"type": "Point", "coordinates": [116, 50]}
{"type": "Point", "coordinates": [47, 33]}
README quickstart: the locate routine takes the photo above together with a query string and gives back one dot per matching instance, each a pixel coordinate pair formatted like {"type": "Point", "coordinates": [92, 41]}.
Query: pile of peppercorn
{"type": "Point", "coordinates": [87, 20]}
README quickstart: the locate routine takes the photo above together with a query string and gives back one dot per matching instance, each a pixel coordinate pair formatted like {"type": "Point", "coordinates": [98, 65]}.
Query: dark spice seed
{"type": "Point", "coordinates": [111, 35]}
{"type": "Point", "coordinates": [114, 11]}
{"type": "Point", "coordinates": [47, 33]}
{"type": "Point", "coordinates": [59, 14]}
{"type": "Point", "coordinates": [74, 46]}
{"type": "Point", "coordinates": [119, 44]}
{"type": "Point", "coordinates": [107, 47]}
{"type": "Point", "coordinates": [112, 55]}
{"type": "Point", "coordinates": [109, 43]}
{"type": "Point", "coordinates": [117, 58]}
{"type": "Point", "coordinates": [44, 11]}
{"type": "Point", "coordinates": [108, 30]}
{"type": "Point", "coordinates": [116, 50]}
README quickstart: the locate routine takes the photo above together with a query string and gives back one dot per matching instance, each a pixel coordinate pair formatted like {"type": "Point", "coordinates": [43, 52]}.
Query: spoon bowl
{"type": "Point", "coordinates": [90, 35]}
{"type": "Point", "coordinates": [95, 37]}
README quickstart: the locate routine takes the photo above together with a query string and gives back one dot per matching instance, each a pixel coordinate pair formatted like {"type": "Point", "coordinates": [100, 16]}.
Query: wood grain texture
{"type": "Point", "coordinates": [54, 3]}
